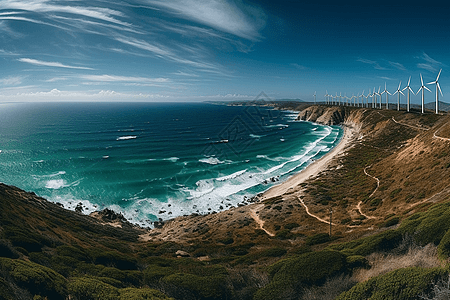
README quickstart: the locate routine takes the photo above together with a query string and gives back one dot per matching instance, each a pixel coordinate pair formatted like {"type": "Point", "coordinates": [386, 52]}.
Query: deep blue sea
{"type": "Point", "coordinates": [154, 160]}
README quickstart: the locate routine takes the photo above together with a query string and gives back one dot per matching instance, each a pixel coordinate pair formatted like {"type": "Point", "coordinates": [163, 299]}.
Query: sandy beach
{"type": "Point", "coordinates": [314, 168]}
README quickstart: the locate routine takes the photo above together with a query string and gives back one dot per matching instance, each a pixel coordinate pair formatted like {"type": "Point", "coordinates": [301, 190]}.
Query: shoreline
{"type": "Point", "coordinates": [312, 169]}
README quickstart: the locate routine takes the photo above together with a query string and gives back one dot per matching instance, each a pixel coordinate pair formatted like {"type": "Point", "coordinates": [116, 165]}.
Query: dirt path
{"type": "Point", "coordinates": [412, 126]}
{"type": "Point", "coordinates": [314, 216]}
{"type": "Point", "coordinates": [363, 214]}
{"type": "Point", "coordinates": [378, 180]}
{"type": "Point", "coordinates": [439, 137]}
{"type": "Point", "coordinates": [258, 221]}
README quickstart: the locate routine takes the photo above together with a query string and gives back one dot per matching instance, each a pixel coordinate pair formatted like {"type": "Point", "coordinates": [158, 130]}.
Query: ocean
{"type": "Point", "coordinates": [153, 161]}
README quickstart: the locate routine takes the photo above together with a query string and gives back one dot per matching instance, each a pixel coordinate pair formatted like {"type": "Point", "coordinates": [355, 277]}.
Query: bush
{"type": "Point", "coordinates": [88, 288]}
{"type": "Point", "coordinates": [319, 238]}
{"type": "Point", "coordinates": [35, 278]}
{"type": "Point", "coordinates": [206, 287]}
{"type": "Point", "coordinates": [291, 275]}
{"type": "Point", "coordinates": [141, 294]}
{"type": "Point", "coordinates": [391, 222]}
{"type": "Point", "coordinates": [401, 284]}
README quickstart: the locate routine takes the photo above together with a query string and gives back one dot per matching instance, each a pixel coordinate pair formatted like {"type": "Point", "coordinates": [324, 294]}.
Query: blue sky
{"type": "Point", "coordinates": [195, 50]}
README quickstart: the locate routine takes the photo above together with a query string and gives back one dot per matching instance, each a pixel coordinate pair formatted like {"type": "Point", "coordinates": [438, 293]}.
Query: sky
{"type": "Point", "coordinates": [197, 50]}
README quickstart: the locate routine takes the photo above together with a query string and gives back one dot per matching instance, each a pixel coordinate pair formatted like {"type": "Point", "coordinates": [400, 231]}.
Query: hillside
{"type": "Point", "coordinates": [388, 191]}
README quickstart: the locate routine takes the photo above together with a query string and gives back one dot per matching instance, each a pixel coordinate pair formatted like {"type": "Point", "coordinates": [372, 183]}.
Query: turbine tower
{"type": "Point", "coordinates": [326, 98]}
{"type": "Point", "coordinates": [423, 87]}
{"type": "Point", "coordinates": [379, 94]}
{"type": "Point", "coordinates": [398, 91]}
{"type": "Point", "coordinates": [438, 89]}
{"type": "Point", "coordinates": [409, 89]}
{"type": "Point", "coordinates": [362, 99]}
{"type": "Point", "coordinates": [315, 97]}
{"type": "Point", "coordinates": [387, 95]}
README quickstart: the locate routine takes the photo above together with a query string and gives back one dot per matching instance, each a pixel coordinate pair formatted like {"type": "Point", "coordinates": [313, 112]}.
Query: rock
{"type": "Point", "coordinates": [181, 253]}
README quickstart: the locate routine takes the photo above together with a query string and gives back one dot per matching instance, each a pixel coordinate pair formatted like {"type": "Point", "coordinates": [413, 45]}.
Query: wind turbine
{"type": "Point", "coordinates": [367, 99]}
{"type": "Point", "coordinates": [315, 97]}
{"type": "Point", "coordinates": [326, 98]}
{"type": "Point", "coordinates": [409, 89]}
{"type": "Point", "coordinates": [379, 94]}
{"type": "Point", "coordinates": [340, 98]}
{"type": "Point", "coordinates": [362, 99]}
{"type": "Point", "coordinates": [423, 87]}
{"type": "Point", "coordinates": [387, 95]}
{"type": "Point", "coordinates": [374, 98]}
{"type": "Point", "coordinates": [398, 91]}
{"type": "Point", "coordinates": [438, 89]}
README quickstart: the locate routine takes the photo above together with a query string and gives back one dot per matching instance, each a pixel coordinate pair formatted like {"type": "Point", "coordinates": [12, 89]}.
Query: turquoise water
{"type": "Point", "coordinates": [153, 160]}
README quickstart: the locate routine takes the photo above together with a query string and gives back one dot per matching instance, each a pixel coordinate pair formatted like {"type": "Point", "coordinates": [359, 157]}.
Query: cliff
{"type": "Point", "coordinates": [333, 115]}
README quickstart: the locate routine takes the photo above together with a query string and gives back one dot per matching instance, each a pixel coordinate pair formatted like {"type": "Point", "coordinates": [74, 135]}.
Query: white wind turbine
{"type": "Point", "coordinates": [387, 95]}
{"type": "Point", "coordinates": [326, 98]}
{"type": "Point", "coordinates": [340, 98]}
{"type": "Point", "coordinates": [315, 92]}
{"type": "Point", "coordinates": [374, 98]}
{"type": "Point", "coordinates": [398, 91]}
{"type": "Point", "coordinates": [409, 89]}
{"type": "Point", "coordinates": [438, 89]}
{"type": "Point", "coordinates": [423, 87]}
{"type": "Point", "coordinates": [379, 94]}
{"type": "Point", "coordinates": [367, 99]}
{"type": "Point", "coordinates": [362, 99]}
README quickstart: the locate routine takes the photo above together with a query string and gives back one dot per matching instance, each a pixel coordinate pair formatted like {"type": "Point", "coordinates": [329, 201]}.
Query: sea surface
{"type": "Point", "coordinates": [154, 161]}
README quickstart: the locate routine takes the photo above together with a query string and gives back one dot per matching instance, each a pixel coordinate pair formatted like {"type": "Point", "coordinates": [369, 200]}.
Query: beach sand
{"type": "Point", "coordinates": [314, 168]}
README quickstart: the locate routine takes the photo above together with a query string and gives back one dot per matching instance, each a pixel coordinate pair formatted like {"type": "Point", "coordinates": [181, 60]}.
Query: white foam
{"type": "Point", "coordinates": [231, 176]}
{"type": "Point", "coordinates": [172, 159]}
{"type": "Point", "coordinates": [105, 156]}
{"type": "Point", "coordinates": [211, 161]}
{"type": "Point", "coordinates": [277, 125]}
{"type": "Point", "coordinates": [255, 136]}
{"type": "Point", "coordinates": [55, 184]}
{"type": "Point", "coordinates": [128, 137]}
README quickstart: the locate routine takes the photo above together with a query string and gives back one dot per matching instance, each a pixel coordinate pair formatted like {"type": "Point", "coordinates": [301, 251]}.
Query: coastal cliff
{"type": "Point", "coordinates": [333, 115]}
{"type": "Point", "coordinates": [387, 190]}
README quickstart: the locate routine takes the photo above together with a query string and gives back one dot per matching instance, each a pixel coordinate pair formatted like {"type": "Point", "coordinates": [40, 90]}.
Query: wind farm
{"type": "Point", "coordinates": [374, 94]}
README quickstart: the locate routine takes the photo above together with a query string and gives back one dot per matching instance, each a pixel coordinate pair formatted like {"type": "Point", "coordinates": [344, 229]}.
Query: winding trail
{"type": "Point", "coordinates": [363, 214]}
{"type": "Point", "coordinates": [412, 126]}
{"type": "Point", "coordinates": [314, 216]}
{"type": "Point", "coordinates": [378, 180]}
{"type": "Point", "coordinates": [439, 137]}
{"type": "Point", "coordinates": [258, 221]}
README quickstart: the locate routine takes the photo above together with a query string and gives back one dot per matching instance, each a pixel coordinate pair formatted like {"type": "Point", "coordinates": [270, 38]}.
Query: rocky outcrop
{"type": "Point", "coordinates": [324, 115]}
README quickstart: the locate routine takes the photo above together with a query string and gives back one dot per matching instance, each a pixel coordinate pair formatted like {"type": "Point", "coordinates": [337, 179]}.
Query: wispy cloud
{"type": "Point", "coordinates": [397, 65]}
{"type": "Point", "coordinates": [300, 67]}
{"type": "Point", "coordinates": [240, 20]}
{"type": "Point", "coordinates": [12, 80]}
{"type": "Point", "coordinates": [373, 63]}
{"type": "Point", "coordinates": [50, 64]}
{"type": "Point", "coordinates": [46, 6]}
{"type": "Point", "coordinates": [114, 78]}
{"type": "Point", "coordinates": [429, 63]}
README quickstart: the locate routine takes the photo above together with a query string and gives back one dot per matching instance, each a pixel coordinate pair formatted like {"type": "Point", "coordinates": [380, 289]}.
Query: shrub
{"type": "Point", "coordinates": [209, 287]}
{"type": "Point", "coordinates": [141, 294]}
{"type": "Point", "coordinates": [291, 275]}
{"type": "Point", "coordinates": [88, 288]}
{"type": "Point", "coordinates": [319, 238]}
{"type": "Point", "coordinates": [35, 278]}
{"type": "Point", "coordinates": [401, 284]}
{"type": "Point", "coordinates": [391, 222]}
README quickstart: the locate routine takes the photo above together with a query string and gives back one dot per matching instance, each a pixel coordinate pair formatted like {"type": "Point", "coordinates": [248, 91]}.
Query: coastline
{"type": "Point", "coordinates": [314, 168]}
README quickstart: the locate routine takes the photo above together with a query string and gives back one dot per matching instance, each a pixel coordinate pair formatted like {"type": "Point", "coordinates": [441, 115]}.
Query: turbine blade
{"type": "Point", "coordinates": [439, 88]}
{"type": "Point", "coordinates": [426, 88]}
{"type": "Point", "coordinates": [402, 93]}
{"type": "Point", "coordinates": [409, 80]}
{"type": "Point", "coordinates": [431, 82]}
{"type": "Point", "coordinates": [421, 80]}
{"type": "Point", "coordinates": [399, 85]}
{"type": "Point", "coordinates": [439, 75]}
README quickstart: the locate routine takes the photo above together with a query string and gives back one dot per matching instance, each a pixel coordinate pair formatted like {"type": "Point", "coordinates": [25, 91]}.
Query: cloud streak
{"type": "Point", "coordinates": [50, 64]}
{"type": "Point", "coordinates": [373, 63]}
{"type": "Point", "coordinates": [243, 21]}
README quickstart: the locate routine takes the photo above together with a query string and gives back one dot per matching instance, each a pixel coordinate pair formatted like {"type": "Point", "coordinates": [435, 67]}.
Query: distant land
{"type": "Point", "coordinates": [386, 194]}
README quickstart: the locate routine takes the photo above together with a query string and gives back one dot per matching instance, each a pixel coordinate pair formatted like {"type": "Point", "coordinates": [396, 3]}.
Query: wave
{"type": "Point", "coordinates": [211, 161]}
{"type": "Point", "coordinates": [231, 176]}
{"type": "Point", "coordinates": [255, 136]}
{"type": "Point", "coordinates": [56, 184]}
{"type": "Point", "coordinates": [127, 137]}
{"type": "Point", "coordinates": [277, 125]}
